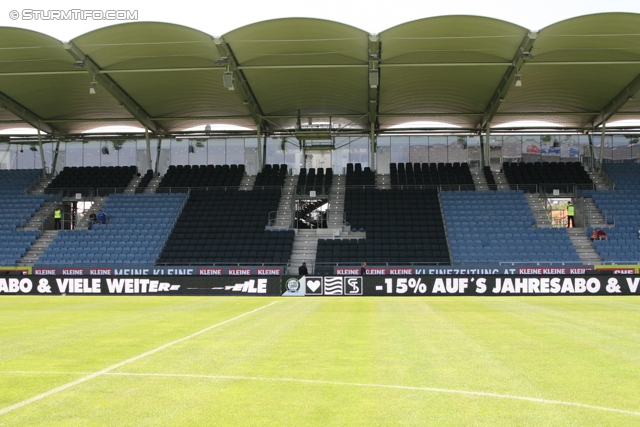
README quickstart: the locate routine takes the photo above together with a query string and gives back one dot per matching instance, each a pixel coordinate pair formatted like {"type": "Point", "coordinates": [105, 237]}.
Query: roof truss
{"type": "Point", "coordinates": [375, 59]}
{"type": "Point", "coordinates": [243, 89]}
{"type": "Point", "coordinates": [618, 102]}
{"type": "Point", "coordinates": [113, 88]}
{"type": "Point", "coordinates": [507, 80]}
{"type": "Point", "coordinates": [27, 115]}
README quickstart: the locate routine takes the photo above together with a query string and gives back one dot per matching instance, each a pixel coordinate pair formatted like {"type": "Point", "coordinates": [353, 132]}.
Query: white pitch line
{"type": "Point", "coordinates": [124, 362]}
{"type": "Point", "coordinates": [342, 383]}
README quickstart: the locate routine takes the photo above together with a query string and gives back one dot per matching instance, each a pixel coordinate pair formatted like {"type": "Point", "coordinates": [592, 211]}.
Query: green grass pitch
{"type": "Point", "coordinates": [247, 361]}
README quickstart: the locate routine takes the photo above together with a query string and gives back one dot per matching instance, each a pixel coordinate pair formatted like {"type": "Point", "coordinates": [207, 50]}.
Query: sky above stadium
{"type": "Point", "coordinates": [221, 16]}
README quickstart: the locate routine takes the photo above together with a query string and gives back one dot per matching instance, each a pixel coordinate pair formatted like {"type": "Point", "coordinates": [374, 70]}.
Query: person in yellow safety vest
{"type": "Point", "coordinates": [570, 212]}
{"type": "Point", "coordinates": [57, 216]}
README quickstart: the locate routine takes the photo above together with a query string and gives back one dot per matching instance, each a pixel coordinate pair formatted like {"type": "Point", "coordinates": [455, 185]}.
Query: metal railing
{"type": "Point", "coordinates": [609, 218]}
{"type": "Point", "coordinates": [215, 188]}
{"type": "Point", "coordinates": [223, 264]}
{"type": "Point", "coordinates": [92, 192]}
{"type": "Point", "coordinates": [541, 263]}
{"type": "Point", "coordinates": [321, 190]}
{"type": "Point", "coordinates": [583, 210]}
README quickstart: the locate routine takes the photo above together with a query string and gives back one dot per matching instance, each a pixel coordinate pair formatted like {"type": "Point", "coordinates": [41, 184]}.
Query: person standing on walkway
{"type": "Point", "coordinates": [302, 270]}
{"type": "Point", "coordinates": [570, 212]}
{"type": "Point", "coordinates": [57, 216]}
{"type": "Point", "coordinates": [363, 269]}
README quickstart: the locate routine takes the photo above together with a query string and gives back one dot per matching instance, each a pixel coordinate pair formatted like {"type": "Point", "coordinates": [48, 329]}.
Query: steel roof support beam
{"type": "Point", "coordinates": [27, 115]}
{"type": "Point", "coordinates": [507, 80]}
{"type": "Point", "coordinates": [241, 85]}
{"type": "Point", "coordinates": [375, 59]}
{"type": "Point", "coordinates": [627, 94]}
{"type": "Point", "coordinates": [113, 88]}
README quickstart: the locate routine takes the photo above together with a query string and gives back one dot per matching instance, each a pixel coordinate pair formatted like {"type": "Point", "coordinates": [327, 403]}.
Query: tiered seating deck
{"type": "Point", "coordinates": [228, 228]}
{"type": "Point", "coordinates": [137, 230]}
{"type": "Point", "coordinates": [490, 227]}
{"type": "Point", "coordinates": [16, 209]}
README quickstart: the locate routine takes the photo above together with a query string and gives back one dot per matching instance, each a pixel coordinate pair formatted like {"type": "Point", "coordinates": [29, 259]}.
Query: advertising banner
{"type": "Point", "coordinates": [142, 285]}
{"type": "Point", "coordinates": [459, 285]}
{"type": "Point", "coordinates": [462, 270]}
{"type": "Point", "coordinates": [159, 271]}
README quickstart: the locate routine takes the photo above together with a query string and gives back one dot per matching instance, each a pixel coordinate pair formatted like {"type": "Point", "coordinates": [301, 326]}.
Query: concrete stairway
{"type": "Point", "coordinates": [599, 181]}
{"type": "Point", "coordinates": [133, 184]}
{"type": "Point", "coordinates": [246, 184]}
{"type": "Point", "coordinates": [383, 181]}
{"type": "Point", "coordinates": [592, 215]}
{"type": "Point", "coordinates": [40, 186]}
{"type": "Point", "coordinates": [285, 207]}
{"type": "Point", "coordinates": [37, 221]}
{"type": "Point", "coordinates": [501, 180]}
{"type": "Point", "coordinates": [539, 212]}
{"type": "Point", "coordinates": [584, 246]}
{"type": "Point", "coordinates": [335, 215]}
{"type": "Point", "coordinates": [305, 247]}
{"type": "Point", "coordinates": [480, 181]}
{"type": "Point", "coordinates": [38, 248]}
{"type": "Point", "coordinates": [153, 185]}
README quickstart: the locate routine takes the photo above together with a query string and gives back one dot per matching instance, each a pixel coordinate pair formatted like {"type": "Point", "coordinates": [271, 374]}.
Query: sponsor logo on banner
{"type": "Point", "coordinates": [45, 271]}
{"type": "Point", "coordinates": [248, 287]}
{"type": "Point", "coordinates": [210, 271]}
{"type": "Point", "coordinates": [376, 271]}
{"type": "Point", "coordinates": [73, 271]}
{"type": "Point", "coordinates": [401, 271]}
{"type": "Point", "coordinates": [239, 272]}
{"type": "Point", "coordinates": [353, 285]}
{"type": "Point", "coordinates": [100, 272]}
{"type": "Point", "coordinates": [269, 271]}
{"type": "Point", "coordinates": [537, 271]}
{"type": "Point", "coordinates": [348, 271]}
{"type": "Point", "coordinates": [314, 285]}
{"type": "Point", "coordinates": [333, 285]}
{"type": "Point", "coordinates": [295, 287]}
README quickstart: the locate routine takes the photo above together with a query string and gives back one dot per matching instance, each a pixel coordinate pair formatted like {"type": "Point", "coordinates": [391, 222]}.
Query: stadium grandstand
{"type": "Point", "coordinates": [446, 141]}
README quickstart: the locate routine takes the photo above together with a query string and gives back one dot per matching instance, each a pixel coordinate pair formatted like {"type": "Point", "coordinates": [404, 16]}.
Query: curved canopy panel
{"type": "Point", "coordinates": [579, 68]}
{"type": "Point", "coordinates": [313, 66]}
{"type": "Point", "coordinates": [465, 71]}
{"type": "Point", "coordinates": [169, 70]}
{"type": "Point", "coordinates": [38, 83]}
{"type": "Point", "coordinates": [447, 66]}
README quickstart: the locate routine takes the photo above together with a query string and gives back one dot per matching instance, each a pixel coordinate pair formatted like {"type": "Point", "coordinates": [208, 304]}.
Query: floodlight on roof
{"type": "Point", "coordinates": [227, 80]}
{"type": "Point", "coordinates": [526, 55]}
{"type": "Point", "coordinates": [518, 80]}
{"type": "Point", "coordinates": [373, 78]}
{"type": "Point", "coordinates": [207, 128]}
{"type": "Point", "coordinates": [93, 87]}
{"type": "Point", "coordinates": [222, 60]}
{"type": "Point", "coordinates": [78, 64]}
